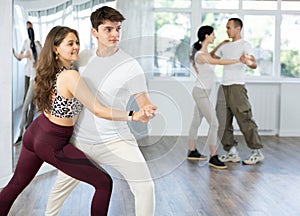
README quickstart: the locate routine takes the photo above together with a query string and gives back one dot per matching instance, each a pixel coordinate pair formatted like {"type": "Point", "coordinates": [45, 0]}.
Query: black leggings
{"type": "Point", "coordinates": [46, 141]}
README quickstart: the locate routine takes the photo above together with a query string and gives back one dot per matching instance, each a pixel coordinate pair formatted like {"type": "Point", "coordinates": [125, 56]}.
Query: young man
{"type": "Point", "coordinates": [233, 99]}
{"type": "Point", "coordinates": [113, 76]}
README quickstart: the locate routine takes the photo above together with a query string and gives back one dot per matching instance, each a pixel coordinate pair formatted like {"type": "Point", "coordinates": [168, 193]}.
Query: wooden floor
{"type": "Point", "coordinates": [186, 188]}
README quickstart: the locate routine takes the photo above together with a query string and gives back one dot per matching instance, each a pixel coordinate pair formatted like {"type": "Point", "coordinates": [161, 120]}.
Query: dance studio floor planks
{"type": "Point", "coordinates": [186, 188]}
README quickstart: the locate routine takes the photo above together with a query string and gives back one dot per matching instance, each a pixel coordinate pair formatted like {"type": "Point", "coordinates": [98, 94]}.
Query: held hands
{"type": "Point", "coordinates": [145, 114]}
{"type": "Point", "coordinates": [247, 59]}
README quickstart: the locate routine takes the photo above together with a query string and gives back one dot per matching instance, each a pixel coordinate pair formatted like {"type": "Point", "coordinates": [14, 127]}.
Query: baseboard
{"type": "Point", "coordinates": [289, 133]}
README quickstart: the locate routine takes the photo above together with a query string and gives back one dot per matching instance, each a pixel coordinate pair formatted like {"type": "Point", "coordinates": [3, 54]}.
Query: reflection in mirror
{"type": "Point", "coordinates": [43, 15]}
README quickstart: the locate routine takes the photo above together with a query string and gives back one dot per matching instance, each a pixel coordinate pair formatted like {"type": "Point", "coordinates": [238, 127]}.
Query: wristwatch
{"type": "Point", "coordinates": [130, 115]}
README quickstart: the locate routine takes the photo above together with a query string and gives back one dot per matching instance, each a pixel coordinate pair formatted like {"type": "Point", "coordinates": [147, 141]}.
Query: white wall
{"type": "Point", "coordinates": [290, 109]}
{"type": "Point", "coordinates": [175, 107]}
{"type": "Point", "coordinates": [275, 107]}
{"type": "Point", "coordinates": [6, 90]}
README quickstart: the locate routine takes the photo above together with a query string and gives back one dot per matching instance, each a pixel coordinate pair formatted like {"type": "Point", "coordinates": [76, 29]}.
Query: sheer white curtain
{"type": "Point", "coordinates": [138, 31]}
{"type": "Point", "coordinates": [138, 41]}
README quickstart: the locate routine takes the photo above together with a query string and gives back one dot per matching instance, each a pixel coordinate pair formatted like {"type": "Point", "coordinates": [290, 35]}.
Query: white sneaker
{"type": "Point", "coordinates": [233, 150]}
{"type": "Point", "coordinates": [229, 157]}
{"type": "Point", "coordinates": [255, 157]}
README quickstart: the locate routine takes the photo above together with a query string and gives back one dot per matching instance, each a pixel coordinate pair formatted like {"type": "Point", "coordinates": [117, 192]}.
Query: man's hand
{"type": "Point", "coordinates": [249, 60]}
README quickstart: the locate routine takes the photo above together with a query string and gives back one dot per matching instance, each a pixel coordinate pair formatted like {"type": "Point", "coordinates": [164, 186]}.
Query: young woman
{"type": "Point", "coordinates": [204, 66]}
{"type": "Point", "coordinates": [60, 93]}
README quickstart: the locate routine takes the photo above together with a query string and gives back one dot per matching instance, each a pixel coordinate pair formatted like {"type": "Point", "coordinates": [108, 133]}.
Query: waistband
{"type": "Point", "coordinates": [47, 125]}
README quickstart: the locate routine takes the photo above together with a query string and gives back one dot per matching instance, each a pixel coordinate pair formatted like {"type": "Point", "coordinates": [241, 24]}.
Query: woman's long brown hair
{"type": "Point", "coordinates": [47, 67]}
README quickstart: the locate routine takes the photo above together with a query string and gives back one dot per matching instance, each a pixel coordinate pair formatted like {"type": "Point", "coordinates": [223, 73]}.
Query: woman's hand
{"type": "Point", "coordinates": [225, 41]}
{"type": "Point", "coordinates": [145, 114]}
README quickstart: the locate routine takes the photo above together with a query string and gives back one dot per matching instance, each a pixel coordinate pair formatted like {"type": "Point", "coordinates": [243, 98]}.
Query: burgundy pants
{"type": "Point", "coordinates": [45, 141]}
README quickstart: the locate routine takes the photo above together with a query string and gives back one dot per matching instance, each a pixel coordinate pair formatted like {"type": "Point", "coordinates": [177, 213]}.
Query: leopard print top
{"type": "Point", "coordinates": [64, 107]}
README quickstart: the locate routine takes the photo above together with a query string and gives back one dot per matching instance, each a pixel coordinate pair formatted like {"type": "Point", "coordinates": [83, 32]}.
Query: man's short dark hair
{"type": "Point", "coordinates": [104, 13]}
{"type": "Point", "coordinates": [237, 22]}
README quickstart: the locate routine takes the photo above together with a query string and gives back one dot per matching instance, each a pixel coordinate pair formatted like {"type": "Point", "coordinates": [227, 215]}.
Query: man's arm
{"type": "Point", "coordinates": [144, 102]}
{"type": "Point", "coordinates": [16, 55]}
{"type": "Point", "coordinates": [21, 55]}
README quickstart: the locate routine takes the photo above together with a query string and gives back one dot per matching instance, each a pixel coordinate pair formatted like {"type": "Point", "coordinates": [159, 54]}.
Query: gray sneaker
{"type": "Point", "coordinates": [255, 157]}
{"type": "Point", "coordinates": [229, 157]}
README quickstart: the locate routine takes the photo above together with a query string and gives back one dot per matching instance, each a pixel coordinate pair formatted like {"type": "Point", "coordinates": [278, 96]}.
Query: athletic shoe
{"type": "Point", "coordinates": [255, 157]}
{"type": "Point", "coordinates": [195, 155]}
{"type": "Point", "coordinates": [229, 157]}
{"type": "Point", "coordinates": [216, 163]}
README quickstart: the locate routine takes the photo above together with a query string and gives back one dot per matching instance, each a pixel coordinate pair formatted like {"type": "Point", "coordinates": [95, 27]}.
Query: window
{"type": "Point", "coordinates": [172, 3]}
{"type": "Point", "coordinates": [291, 5]}
{"type": "Point", "coordinates": [289, 46]}
{"type": "Point", "coordinates": [262, 39]}
{"type": "Point", "coordinates": [260, 5]}
{"type": "Point", "coordinates": [220, 4]}
{"type": "Point", "coordinates": [172, 44]}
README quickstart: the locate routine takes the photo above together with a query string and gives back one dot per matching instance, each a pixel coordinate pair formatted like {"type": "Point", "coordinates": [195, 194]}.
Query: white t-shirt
{"type": "Point", "coordinates": [234, 73]}
{"type": "Point", "coordinates": [29, 69]}
{"type": "Point", "coordinates": [206, 77]}
{"type": "Point", "coordinates": [113, 80]}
